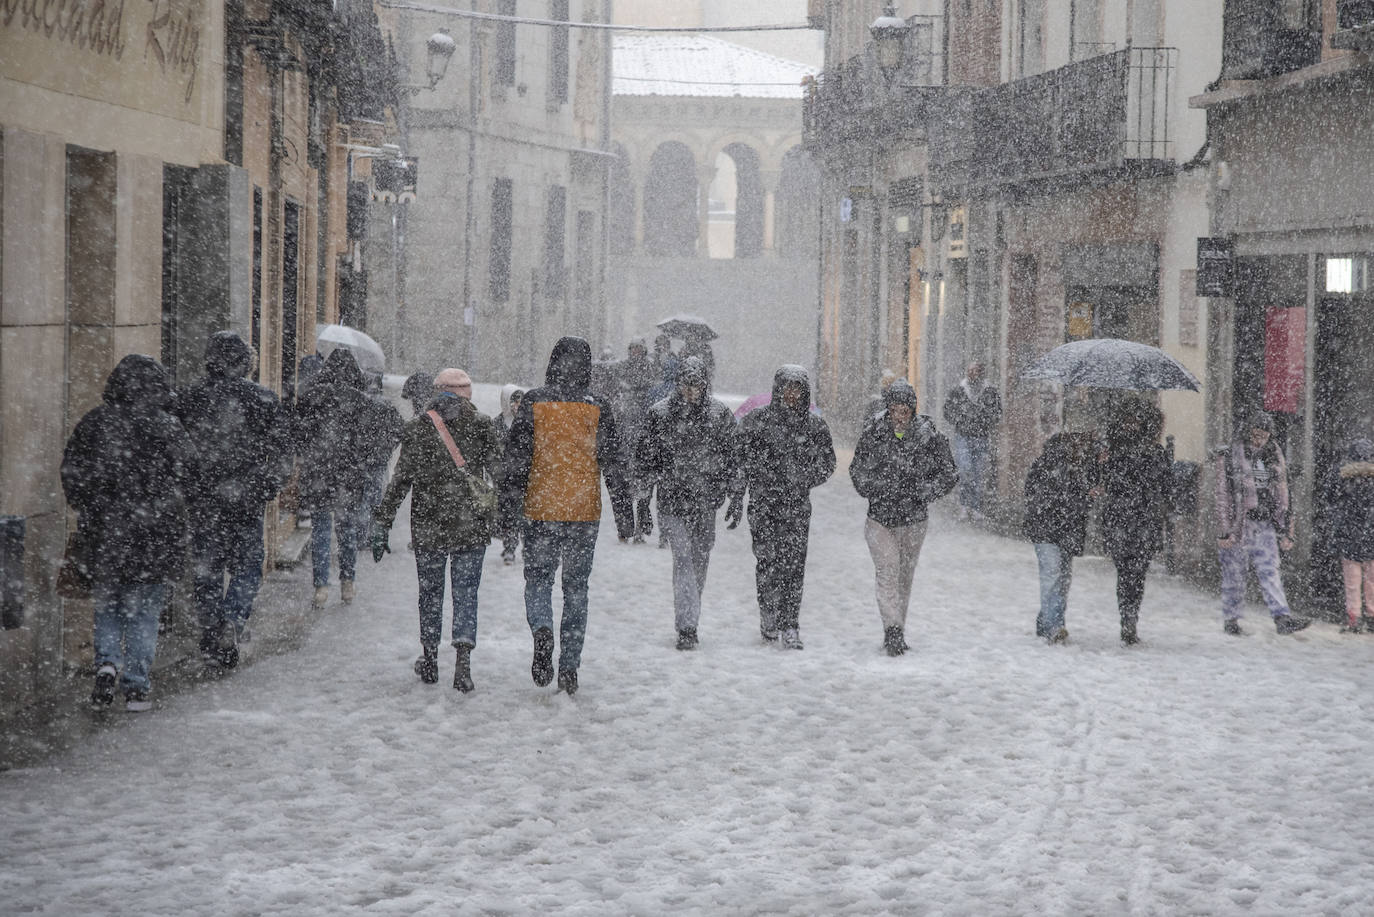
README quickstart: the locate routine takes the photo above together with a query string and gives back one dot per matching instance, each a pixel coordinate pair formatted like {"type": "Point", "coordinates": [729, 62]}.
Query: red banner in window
{"type": "Point", "coordinates": [1285, 348]}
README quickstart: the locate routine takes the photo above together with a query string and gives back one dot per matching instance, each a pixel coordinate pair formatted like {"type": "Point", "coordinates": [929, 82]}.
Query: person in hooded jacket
{"type": "Point", "coordinates": [1058, 488]}
{"type": "Point", "coordinates": [1136, 482]}
{"type": "Point", "coordinates": [787, 451]}
{"type": "Point", "coordinates": [630, 500]}
{"type": "Point", "coordinates": [244, 442]}
{"type": "Point", "coordinates": [448, 530]}
{"type": "Point", "coordinates": [1254, 523]}
{"type": "Point", "coordinates": [385, 426]}
{"type": "Point", "coordinates": [690, 451]}
{"type": "Point", "coordinates": [507, 523]}
{"type": "Point", "coordinates": [338, 441]}
{"type": "Point", "coordinates": [1350, 499]}
{"type": "Point", "coordinates": [901, 464]}
{"type": "Point", "coordinates": [418, 389]}
{"type": "Point", "coordinates": [125, 472]}
{"type": "Point", "coordinates": [562, 441]}
{"type": "Point", "coordinates": [973, 408]}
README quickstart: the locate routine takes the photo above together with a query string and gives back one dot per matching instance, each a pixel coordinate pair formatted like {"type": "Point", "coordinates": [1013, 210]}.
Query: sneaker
{"type": "Point", "coordinates": [687, 639]}
{"type": "Point", "coordinates": [1128, 634]}
{"type": "Point", "coordinates": [893, 642]}
{"type": "Point", "coordinates": [347, 591]}
{"type": "Point", "coordinates": [769, 636]}
{"type": "Point", "coordinates": [508, 556]}
{"type": "Point", "coordinates": [321, 596]}
{"type": "Point", "coordinates": [1059, 635]}
{"type": "Point", "coordinates": [227, 652]}
{"type": "Point", "coordinates": [462, 670]}
{"type": "Point", "coordinates": [1232, 626]}
{"type": "Point", "coordinates": [136, 701]}
{"type": "Point", "coordinates": [104, 692]}
{"type": "Point", "coordinates": [1290, 624]}
{"type": "Point", "coordinates": [567, 681]}
{"type": "Point", "coordinates": [427, 666]}
{"type": "Point", "coordinates": [638, 539]}
{"type": "Point", "coordinates": [791, 639]}
{"type": "Point", "coordinates": [541, 670]}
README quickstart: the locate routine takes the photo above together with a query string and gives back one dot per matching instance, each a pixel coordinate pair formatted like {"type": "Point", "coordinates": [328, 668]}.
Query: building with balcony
{"type": "Point", "coordinates": [1291, 139]}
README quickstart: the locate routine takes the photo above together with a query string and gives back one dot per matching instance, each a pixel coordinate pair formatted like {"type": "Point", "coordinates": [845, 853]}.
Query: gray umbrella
{"type": "Point", "coordinates": [687, 326]}
{"type": "Point", "coordinates": [1111, 363]}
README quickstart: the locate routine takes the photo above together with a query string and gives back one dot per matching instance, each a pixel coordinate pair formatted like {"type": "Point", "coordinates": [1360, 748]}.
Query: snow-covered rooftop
{"type": "Point", "coordinates": [697, 65]}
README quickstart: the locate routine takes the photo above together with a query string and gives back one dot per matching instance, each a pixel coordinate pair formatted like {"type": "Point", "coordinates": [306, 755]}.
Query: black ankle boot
{"type": "Point", "coordinates": [427, 666]}
{"type": "Point", "coordinates": [462, 670]}
{"type": "Point", "coordinates": [893, 641]}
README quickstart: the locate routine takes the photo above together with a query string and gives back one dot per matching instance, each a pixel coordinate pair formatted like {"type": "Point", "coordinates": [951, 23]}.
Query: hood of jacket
{"type": "Point", "coordinates": [791, 372]}
{"type": "Point", "coordinates": [570, 364]}
{"type": "Point", "coordinates": [899, 391]}
{"type": "Point", "coordinates": [341, 368]}
{"type": "Point", "coordinates": [138, 381]}
{"type": "Point", "coordinates": [227, 354]}
{"type": "Point", "coordinates": [507, 393]}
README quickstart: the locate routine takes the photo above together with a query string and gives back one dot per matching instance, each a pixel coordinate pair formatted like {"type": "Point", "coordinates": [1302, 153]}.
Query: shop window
{"type": "Point", "coordinates": [1347, 274]}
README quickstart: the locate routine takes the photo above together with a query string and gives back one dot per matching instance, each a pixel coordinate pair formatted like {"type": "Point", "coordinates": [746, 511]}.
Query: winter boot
{"type": "Point", "coordinates": [687, 639]}
{"type": "Point", "coordinates": [427, 666]}
{"type": "Point", "coordinates": [209, 644]}
{"type": "Point", "coordinates": [136, 701]}
{"type": "Point", "coordinates": [1058, 635]}
{"type": "Point", "coordinates": [791, 639]}
{"type": "Point", "coordinates": [1231, 627]}
{"type": "Point", "coordinates": [1128, 634]}
{"type": "Point", "coordinates": [321, 596]}
{"type": "Point", "coordinates": [1290, 624]}
{"type": "Point", "coordinates": [508, 556]}
{"type": "Point", "coordinates": [893, 642]}
{"type": "Point", "coordinates": [1353, 627]}
{"type": "Point", "coordinates": [541, 670]}
{"type": "Point", "coordinates": [462, 670]}
{"type": "Point", "coordinates": [347, 591]}
{"type": "Point", "coordinates": [227, 651]}
{"type": "Point", "coordinates": [104, 692]}
{"type": "Point", "coordinates": [567, 681]}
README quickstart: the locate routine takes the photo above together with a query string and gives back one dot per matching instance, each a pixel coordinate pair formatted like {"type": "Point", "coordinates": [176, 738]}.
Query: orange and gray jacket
{"type": "Point", "coordinates": [563, 438]}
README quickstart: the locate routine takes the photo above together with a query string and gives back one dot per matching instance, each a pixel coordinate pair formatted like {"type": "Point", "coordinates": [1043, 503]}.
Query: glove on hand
{"type": "Point", "coordinates": [734, 512]}
{"type": "Point", "coordinates": [380, 545]}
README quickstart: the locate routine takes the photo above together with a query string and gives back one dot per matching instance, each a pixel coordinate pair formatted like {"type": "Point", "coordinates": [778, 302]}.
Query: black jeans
{"type": "Point", "coordinates": [780, 540]}
{"type": "Point", "coordinates": [1130, 585]}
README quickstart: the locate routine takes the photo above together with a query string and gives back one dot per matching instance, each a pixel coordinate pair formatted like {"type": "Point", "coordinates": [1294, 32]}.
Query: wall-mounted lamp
{"type": "Point", "coordinates": [889, 32]}
{"type": "Point", "coordinates": [438, 51]}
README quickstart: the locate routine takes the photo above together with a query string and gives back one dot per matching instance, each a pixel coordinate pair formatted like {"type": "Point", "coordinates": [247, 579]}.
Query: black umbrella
{"type": "Point", "coordinates": [1111, 363]}
{"type": "Point", "coordinates": [687, 326]}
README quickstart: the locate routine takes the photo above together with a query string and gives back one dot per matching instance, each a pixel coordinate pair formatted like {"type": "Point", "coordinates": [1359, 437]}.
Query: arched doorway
{"type": "Point", "coordinates": [736, 204]}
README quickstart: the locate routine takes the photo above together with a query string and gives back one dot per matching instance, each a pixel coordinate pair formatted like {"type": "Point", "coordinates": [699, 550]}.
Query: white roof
{"type": "Point", "coordinates": [698, 65]}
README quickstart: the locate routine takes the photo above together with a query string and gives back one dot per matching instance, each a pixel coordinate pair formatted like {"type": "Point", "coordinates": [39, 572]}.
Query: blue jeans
{"type": "Point", "coordinates": [126, 618]}
{"type": "Point", "coordinates": [347, 520]}
{"type": "Point", "coordinates": [465, 572]}
{"type": "Point", "coordinates": [227, 546]}
{"type": "Point", "coordinates": [973, 456]}
{"type": "Point", "coordinates": [1056, 572]}
{"type": "Point", "coordinates": [547, 545]}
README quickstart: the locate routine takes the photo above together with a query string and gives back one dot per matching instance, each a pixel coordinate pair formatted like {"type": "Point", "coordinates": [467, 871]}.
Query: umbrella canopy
{"type": "Point", "coordinates": [368, 352]}
{"type": "Point", "coordinates": [754, 402]}
{"type": "Point", "coordinates": [1112, 363]}
{"type": "Point", "coordinates": [687, 326]}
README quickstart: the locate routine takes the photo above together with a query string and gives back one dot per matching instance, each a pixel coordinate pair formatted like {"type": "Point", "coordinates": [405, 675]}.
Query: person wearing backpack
{"type": "Point", "coordinates": [449, 456]}
{"type": "Point", "coordinates": [901, 465]}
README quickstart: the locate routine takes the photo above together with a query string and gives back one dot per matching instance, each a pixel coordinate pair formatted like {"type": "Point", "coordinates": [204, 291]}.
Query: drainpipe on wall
{"type": "Point", "coordinates": [469, 215]}
{"type": "Point", "coordinates": [608, 75]}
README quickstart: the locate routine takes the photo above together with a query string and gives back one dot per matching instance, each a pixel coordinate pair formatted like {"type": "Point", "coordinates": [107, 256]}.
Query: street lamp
{"type": "Point", "coordinates": [439, 48]}
{"type": "Point", "coordinates": [889, 32]}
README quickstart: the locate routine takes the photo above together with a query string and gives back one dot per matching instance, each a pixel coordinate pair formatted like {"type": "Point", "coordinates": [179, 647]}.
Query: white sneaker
{"type": "Point", "coordinates": [791, 639]}
{"type": "Point", "coordinates": [346, 591]}
{"type": "Point", "coordinates": [321, 596]}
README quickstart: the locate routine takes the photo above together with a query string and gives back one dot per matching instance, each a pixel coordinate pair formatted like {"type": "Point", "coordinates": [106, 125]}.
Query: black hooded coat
{"type": "Point", "coordinates": [125, 471]}
{"type": "Point", "coordinates": [787, 451]}
{"type": "Point", "coordinates": [900, 476]}
{"type": "Point", "coordinates": [1057, 497]}
{"type": "Point", "coordinates": [338, 435]}
{"type": "Point", "coordinates": [242, 437]}
{"type": "Point", "coordinates": [691, 451]}
{"type": "Point", "coordinates": [1350, 498]}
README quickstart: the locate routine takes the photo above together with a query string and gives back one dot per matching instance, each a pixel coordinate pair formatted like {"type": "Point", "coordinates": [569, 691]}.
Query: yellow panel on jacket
{"type": "Point", "coordinates": [565, 481]}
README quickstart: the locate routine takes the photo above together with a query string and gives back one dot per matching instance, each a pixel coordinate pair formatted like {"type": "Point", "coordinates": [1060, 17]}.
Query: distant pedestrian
{"type": "Point", "coordinates": [563, 439]}
{"type": "Point", "coordinates": [1136, 482]}
{"type": "Point", "coordinates": [1254, 523]}
{"type": "Point", "coordinates": [337, 440]}
{"type": "Point", "coordinates": [243, 438]}
{"type": "Point", "coordinates": [974, 409]}
{"type": "Point", "coordinates": [634, 380]}
{"type": "Point", "coordinates": [1350, 501]}
{"type": "Point", "coordinates": [787, 452]}
{"type": "Point", "coordinates": [901, 465]}
{"type": "Point", "coordinates": [1058, 500]}
{"type": "Point", "coordinates": [876, 405]}
{"type": "Point", "coordinates": [384, 426]}
{"type": "Point", "coordinates": [449, 458]}
{"type": "Point", "coordinates": [418, 389]}
{"type": "Point", "coordinates": [125, 471]}
{"type": "Point", "coordinates": [690, 451]}
{"type": "Point", "coordinates": [508, 524]}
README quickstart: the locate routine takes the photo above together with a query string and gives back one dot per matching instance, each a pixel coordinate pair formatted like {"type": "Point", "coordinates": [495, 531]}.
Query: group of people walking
{"type": "Point", "coordinates": [157, 476]}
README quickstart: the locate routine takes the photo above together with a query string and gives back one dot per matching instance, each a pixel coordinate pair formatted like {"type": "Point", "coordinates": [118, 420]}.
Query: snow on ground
{"type": "Point", "coordinates": [983, 773]}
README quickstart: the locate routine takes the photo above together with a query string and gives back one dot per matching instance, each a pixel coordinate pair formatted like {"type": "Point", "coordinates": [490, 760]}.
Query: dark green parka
{"type": "Point", "coordinates": [441, 518]}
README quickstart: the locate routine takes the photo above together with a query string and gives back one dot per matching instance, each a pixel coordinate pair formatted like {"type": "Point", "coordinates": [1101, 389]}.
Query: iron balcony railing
{"type": "Point", "coordinates": [1104, 113]}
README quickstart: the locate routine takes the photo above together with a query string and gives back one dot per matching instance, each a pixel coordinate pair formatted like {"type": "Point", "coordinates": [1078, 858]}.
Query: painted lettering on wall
{"type": "Point", "coordinates": [173, 40]}
{"type": "Point", "coordinates": [96, 26]}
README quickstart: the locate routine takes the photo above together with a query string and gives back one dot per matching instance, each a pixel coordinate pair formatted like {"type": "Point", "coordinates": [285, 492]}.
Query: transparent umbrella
{"type": "Point", "coordinates": [366, 351]}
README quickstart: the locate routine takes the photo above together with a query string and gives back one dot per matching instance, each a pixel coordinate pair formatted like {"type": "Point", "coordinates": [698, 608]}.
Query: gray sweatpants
{"type": "Point", "coordinates": [895, 551]}
{"type": "Point", "coordinates": [691, 539]}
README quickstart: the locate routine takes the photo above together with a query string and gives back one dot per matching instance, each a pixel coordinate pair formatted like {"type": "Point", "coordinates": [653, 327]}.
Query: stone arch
{"type": "Point", "coordinates": [735, 224]}
{"type": "Point", "coordinates": [670, 201]}
{"type": "Point", "coordinates": [795, 231]}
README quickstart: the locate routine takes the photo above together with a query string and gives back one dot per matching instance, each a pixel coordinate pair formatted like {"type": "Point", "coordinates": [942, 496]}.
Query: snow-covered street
{"type": "Point", "coordinates": [982, 773]}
